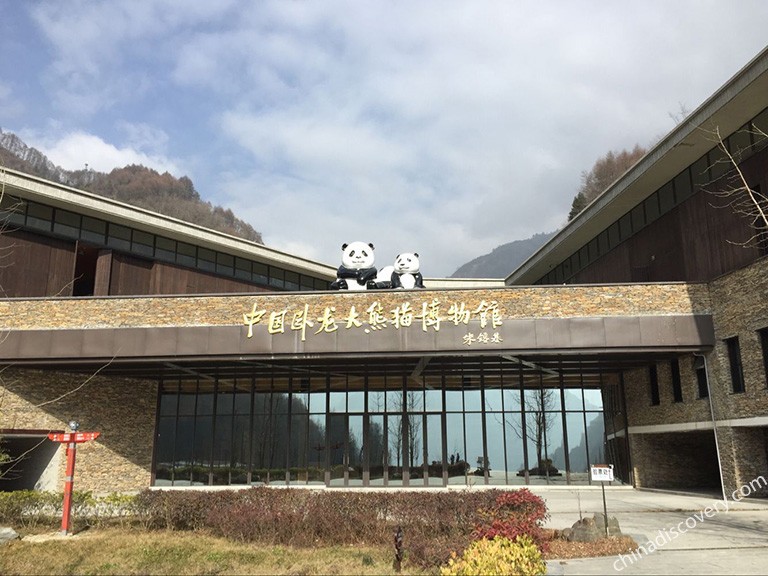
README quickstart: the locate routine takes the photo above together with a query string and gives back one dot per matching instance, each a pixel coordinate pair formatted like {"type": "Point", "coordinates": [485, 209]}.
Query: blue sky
{"type": "Point", "coordinates": [443, 128]}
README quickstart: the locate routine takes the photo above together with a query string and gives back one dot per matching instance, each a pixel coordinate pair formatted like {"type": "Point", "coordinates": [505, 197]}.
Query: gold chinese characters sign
{"type": "Point", "coordinates": [426, 316]}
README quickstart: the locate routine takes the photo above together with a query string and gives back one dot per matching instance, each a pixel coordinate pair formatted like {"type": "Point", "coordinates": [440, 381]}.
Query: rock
{"type": "Point", "coordinates": [593, 529]}
{"type": "Point", "coordinates": [7, 534]}
{"type": "Point", "coordinates": [613, 524]}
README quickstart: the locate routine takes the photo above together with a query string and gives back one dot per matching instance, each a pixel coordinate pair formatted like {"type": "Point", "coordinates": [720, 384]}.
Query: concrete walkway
{"type": "Point", "coordinates": [681, 533]}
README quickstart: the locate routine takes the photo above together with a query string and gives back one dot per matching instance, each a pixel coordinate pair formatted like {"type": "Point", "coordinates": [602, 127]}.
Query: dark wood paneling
{"type": "Point", "coordinates": [130, 276]}
{"type": "Point", "coordinates": [32, 265]}
{"type": "Point", "coordinates": [698, 240]}
{"type": "Point", "coordinates": [137, 276]}
{"type": "Point", "coordinates": [103, 273]}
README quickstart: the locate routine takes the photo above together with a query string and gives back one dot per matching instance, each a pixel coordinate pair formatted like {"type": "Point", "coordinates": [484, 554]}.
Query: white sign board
{"type": "Point", "coordinates": [601, 472]}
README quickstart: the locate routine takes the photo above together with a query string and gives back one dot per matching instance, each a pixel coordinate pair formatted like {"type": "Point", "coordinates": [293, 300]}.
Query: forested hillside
{"type": "Point", "coordinates": [136, 185]}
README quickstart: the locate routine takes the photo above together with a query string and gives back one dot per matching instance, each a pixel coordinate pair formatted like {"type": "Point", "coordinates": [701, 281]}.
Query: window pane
{"type": "Point", "coordinates": [682, 185]}
{"type": "Point", "coordinates": [186, 254]}
{"type": "Point", "coordinates": [739, 143]}
{"type": "Point", "coordinates": [225, 264]}
{"type": "Point", "coordinates": [307, 283]}
{"type": "Point", "coordinates": [291, 280]}
{"type": "Point", "coordinates": [206, 259]}
{"type": "Point", "coordinates": [625, 226]}
{"type": "Point", "coordinates": [119, 237]}
{"type": "Point", "coordinates": [67, 224]}
{"type": "Point", "coordinates": [602, 242]}
{"type": "Point", "coordinates": [260, 273]}
{"type": "Point", "coordinates": [165, 249]}
{"type": "Point", "coordinates": [12, 210]}
{"type": "Point", "coordinates": [666, 198]}
{"type": "Point", "coordinates": [763, 334]}
{"type": "Point", "coordinates": [652, 210]}
{"type": "Point", "coordinates": [39, 216]}
{"type": "Point", "coordinates": [734, 359]}
{"type": "Point", "coordinates": [93, 230]}
{"type": "Point", "coordinates": [143, 243]}
{"type": "Point", "coordinates": [276, 277]}
{"type": "Point", "coordinates": [613, 235]}
{"type": "Point", "coordinates": [638, 217]}
{"type": "Point", "coordinates": [700, 173]}
{"type": "Point", "coordinates": [243, 269]}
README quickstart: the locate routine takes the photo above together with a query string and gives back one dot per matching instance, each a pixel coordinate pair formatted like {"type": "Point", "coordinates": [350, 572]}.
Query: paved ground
{"type": "Point", "coordinates": [682, 533]}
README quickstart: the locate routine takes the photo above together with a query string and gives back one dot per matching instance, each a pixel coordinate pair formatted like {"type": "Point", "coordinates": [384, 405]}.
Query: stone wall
{"type": "Point", "coordinates": [122, 410]}
{"type": "Point", "coordinates": [739, 308]}
{"type": "Point", "coordinates": [527, 302]}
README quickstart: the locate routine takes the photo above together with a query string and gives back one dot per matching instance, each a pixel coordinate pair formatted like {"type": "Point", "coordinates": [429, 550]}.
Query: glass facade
{"type": "Point", "coordinates": [387, 422]}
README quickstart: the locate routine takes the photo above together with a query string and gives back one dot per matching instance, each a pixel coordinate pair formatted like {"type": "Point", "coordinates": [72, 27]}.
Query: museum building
{"type": "Point", "coordinates": [637, 337]}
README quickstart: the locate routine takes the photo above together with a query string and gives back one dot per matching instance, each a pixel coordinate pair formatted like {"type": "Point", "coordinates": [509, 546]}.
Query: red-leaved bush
{"type": "Point", "coordinates": [514, 514]}
{"type": "Point", "coordinates": [434, 523]}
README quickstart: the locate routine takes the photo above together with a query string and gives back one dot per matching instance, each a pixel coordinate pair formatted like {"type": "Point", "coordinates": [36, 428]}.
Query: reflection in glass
{"type": "Point", "coordinates": [573, 399]}
{"type": "Point", "coordinates": [513, 427]}
{"type": "Point", "coordinates": [395, 448]}
{"type": "Point", "coordinates": [377, 453]}
{"type": "Point", "coordinates": [337, 435]}
{"type": "Point", "coordinates": [493, 400]}
{"type": "Point", "coordinates": [596, 438]}
{"type": "Point", "coordinates": [454, 400]}
{"type": "Point", "coordinates": [496, 464]}
{"type": "Point", "coordinates": [593, 399]}
{"type": "Point", "coordinates": [577, 447]}
{"type": "Point", "coordinates": [434, 445]}
{"type": "Point", "coordinates": [475, 456]}
{"type": "Point", "coordinates": [316, 449]}
{"type": "Point", "coordinates": [280, 428]}
{"type": "Point", "coordinates": [356, 402]}
{"type": "Point", "coordinates": [472, 399]}
{"type": "Point", "coordinates": [355, 447]}
{"type": "Point", "coordinates": [454, 431]}
{"type": "Point", "coordinates": [433, 400]}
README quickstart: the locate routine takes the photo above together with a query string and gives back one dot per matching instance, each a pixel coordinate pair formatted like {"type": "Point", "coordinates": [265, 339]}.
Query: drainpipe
{"type": "Point", "coordinates": [714, 423]}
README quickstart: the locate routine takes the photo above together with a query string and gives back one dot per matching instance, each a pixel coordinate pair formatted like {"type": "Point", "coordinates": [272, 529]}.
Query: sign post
{"type": "Point", "coordinates": [71, 439]}
{"type": "Point", "coordinates": [602, 473]}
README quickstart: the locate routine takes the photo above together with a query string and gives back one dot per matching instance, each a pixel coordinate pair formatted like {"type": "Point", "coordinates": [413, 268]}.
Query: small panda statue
{"type": "Point", "coordinates": [405, 272]}
{"type": "Point", "coordinates": [357, 271]}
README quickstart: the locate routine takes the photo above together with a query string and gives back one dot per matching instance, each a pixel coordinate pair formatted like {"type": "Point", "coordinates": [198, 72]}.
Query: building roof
{"type": "Point", "coordinates": [740, 99]}
{"type": "Point", "coordinates": [57, 195]}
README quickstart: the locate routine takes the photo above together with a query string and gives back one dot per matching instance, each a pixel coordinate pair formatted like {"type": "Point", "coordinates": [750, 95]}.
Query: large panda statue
{"type": "Point", "coordinates": [405, 272]}
{"type": "Point", "coordinates": [357, 271]}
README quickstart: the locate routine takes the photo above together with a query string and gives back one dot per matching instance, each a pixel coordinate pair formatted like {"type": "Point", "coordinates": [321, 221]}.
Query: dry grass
{"type": "Point", "coordinates": [126, 551]}
{"type": "Point", "coordinates": [121, 550]}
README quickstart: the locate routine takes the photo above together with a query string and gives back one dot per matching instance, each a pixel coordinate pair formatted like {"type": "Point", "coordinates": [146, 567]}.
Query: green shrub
{"type": "Point", "coordinates": [499, 555]}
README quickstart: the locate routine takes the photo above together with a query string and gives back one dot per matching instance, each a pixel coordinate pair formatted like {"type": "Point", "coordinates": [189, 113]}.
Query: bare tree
{"type": "Point", "coordinates": [539, 419]}
{"type": "Point", "coordinates": [746, 200]}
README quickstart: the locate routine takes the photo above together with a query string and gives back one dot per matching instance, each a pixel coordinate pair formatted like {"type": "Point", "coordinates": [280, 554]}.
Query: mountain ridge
{"type": "Point", "coordinates": [504, 259]}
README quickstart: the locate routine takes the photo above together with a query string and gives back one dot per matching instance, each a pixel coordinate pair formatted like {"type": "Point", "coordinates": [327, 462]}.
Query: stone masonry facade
{"type": "Point", "coordinates": [664, 437]}
{"type": "Point", "coordinates": [122, 410]}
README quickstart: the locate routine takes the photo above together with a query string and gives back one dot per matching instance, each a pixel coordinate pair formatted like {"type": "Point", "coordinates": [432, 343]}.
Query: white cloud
{"type": "Point", "coordinates": [442, 127]}
{"type": "Point", "coordinates": [75, 150]}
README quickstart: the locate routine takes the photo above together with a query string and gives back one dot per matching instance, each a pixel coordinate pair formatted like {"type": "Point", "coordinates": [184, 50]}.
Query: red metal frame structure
{"type": "Point", "coordinates": [71, 439]}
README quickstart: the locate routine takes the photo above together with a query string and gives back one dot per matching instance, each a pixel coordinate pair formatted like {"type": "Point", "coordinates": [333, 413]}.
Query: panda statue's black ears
{"type": "Point", "coordinates": [344, 246]}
